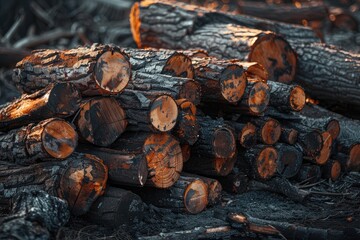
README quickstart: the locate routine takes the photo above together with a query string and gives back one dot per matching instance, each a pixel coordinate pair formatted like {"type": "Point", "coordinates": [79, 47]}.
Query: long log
{"type": "Point", "coordinates": [116, 207]}
{"type": "Point", "coordinates": [149, 111]}
{"type": "Point", "coordinates": [214, 154]}
{"type": "Point", "coordinates": [125, 168]}
{"type": "Point", "coordinates": [79, 180]}
{"type": "Point", "coordinates": [59, 100]}
{"type": "Point", "coordinates": [188, 194]}
{"type": "Point", "coordinates": [177, 87]}
{"type": "Point", "coordinates": [331, 170]}
{"type": "Point", "coordinates": [34, 215]}
{"type": "Point", "coordinates": [99, 69]}
{"type": "Point", "coordinates": [51, 138]}
{"type": "Point", "coordinates": [101, 121]}
{"type": "Point", "coordinates": [162, 152]}
{"type": "Point", "coordinates": [289, 160]}
{"type": "Point", "coordinates": [160, 61]}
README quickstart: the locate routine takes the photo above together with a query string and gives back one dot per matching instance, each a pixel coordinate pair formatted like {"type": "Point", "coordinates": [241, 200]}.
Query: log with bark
{"type": "Point", "coordinates": [331, 170]}
{"type": "Point", "coordinates": [80, 180]}
{"type": "Point", "coordinates": [236, 182]}
{"type": "Point", "coordinates": [94, 70]}
{"type": "Point", "coordinates": [289, 160]}
{"type": "Point", "coordinates": [188, 194]}
{"type": "Point", "coordinates": [185, 151]}
{"type": "Point", "coordinates": [56, 100]}
{"type": "Point", "coordinates": [149, 111]}
{"type": "Point", "coordinates": [34, 215]}
{"type": "Point", "coordinates": [52, 139]}
{"type": "Point", "coordinates": [288, 135]}
{"type": "Point", "coordinates": [309, 173]}
{"type": "Point", "coordinates": [125, 168]}
{"type": "Point", "coordinates": [245, 133]}
{"type": "Point", "coordinates": [101, 121]}
{"type": "Point", "coordinates": [116, 207]}
{"type": "Point", "coordinates": [214, 154]}
{"type": "Point", "coordinates": [177, 87]}
{"type": "Point", "coordinates": [162, 152]}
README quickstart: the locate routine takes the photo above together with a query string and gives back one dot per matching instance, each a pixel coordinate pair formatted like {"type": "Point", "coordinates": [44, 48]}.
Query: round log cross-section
{"type": "Point", "coordinates": [224, 143]}
{"type": "Point", "coordinates": [247, 136]}
{"type": "Point", "coordinates": [233, 83]}
{"type": "Point", "coordinates": [271, 131]}
{"type": "Point", "coordinates": [163, 113]}
{"type": "Point", "coordinates": [179, 65]}
{"type": "Point", "coordinates": [256, 98]}
{"type": "Point", "coordinates": [325, 151]}
{"type": "Point", "coordinates": [195, 196]}
{"type": "Point", "coordinates": [297, 98]}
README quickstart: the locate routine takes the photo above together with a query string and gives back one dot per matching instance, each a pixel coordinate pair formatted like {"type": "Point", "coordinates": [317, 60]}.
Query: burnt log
{"type": "Point", "coordinates": [235, 182]}
{"type": "Point", "coordinates": [80, 180]}
{"type": "Point", "coordinates": [289, 160]}
{"type": "Point", "coordinates": [162, 152]}
{"type": "Point", "coordinates": [56, 100]}
{"type": "Point", "coordinates": [309, 173]}
{"type": "Point", "coordinates": [115, 208]}
{"type": "Point", "coordinates": [101, 121]}
{"type": "Point", "coordinates": [185, 151]}
{"type": "Point", "coordinates": [99, 69]}
{"type": "Point", "coordinates": [149, 111]}
{"type": "Point", "coordinates": [288, 136]}
{"type": "Point", "coordinates": [331, 170]}
{"type": "Point", "coordinates": [49, 139]}
{"type": "Point", "coordinates": [245, 133]}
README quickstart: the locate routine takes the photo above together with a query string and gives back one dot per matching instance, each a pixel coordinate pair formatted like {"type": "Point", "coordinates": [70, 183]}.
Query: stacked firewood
{"type": "Point", "coordinates": [105, 127]}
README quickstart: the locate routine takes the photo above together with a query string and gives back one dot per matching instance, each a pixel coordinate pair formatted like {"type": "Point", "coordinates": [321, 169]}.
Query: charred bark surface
{"type": "Point", "coordinates": [289, 160]}
{"type": "Point", "coordinates": [309, 173]}
{"type": "Point", "coordinates": [288, 135]}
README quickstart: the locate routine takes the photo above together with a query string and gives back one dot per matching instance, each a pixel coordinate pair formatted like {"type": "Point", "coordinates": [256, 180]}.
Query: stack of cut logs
{"type": "Point", "coordinates": [175, 127]}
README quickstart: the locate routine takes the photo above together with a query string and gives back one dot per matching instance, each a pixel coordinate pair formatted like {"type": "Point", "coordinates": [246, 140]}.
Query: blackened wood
{"type": "Point", "coordinates": [99, 69]}
{"type": "Point", "coordinates": [10, 56]}
{"type": "Point", "coordinates": [51, 138]}
{"type": "Point", "coordinates": [347, 162]}
{"type": "Point", "coordinates": [79, 180]}
{"type": "Point", "coordinates": [235, 182]}
{"type": "Point", "coordinates": [176, 87]}
{"type": "Point", "coordinates": [245, 133]}
{"type": "Point", "coordinates": [255, 99]}
{"type": "Point", "coordinates": [288, 135]}
{"type": "Point", "coordinates": [149, 111]}
{"type": "Point", "coordinates": [215, 151]}
{"type": "Point", "coordinates": [188, 194]}
{"type": "Point", "coordinates": [164, 61]}
{"type": "Point", "coordinates": [331, 170]}
{"type": "Point", "coordinates": [125, 168]}
{"type": "Point", "coordinates": [185, 151]}
{"type": "Point", "coordinates": [289, 160]}
{"type": "Point", "coordinates": [162, 152]}
{"type": "Point", "coordinates": [195, 53]}
{"type": "Point", "coordinates": [116, 207]}
{"type": "Point", "coordinates": [34, 215]}
{"type": "Point", "coordinates": [309, 173]}
{"type": "Point", "coordinates": [101, 121]}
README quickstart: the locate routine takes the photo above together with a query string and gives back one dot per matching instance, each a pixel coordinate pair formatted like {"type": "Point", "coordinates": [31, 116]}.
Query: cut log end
{"type": "Point", "coordinates": [112, 72]}
{"type": "Point", "coordinates": [333, 127]}
{"type": "Point", "coordinates": [266, 162]}
{"type": "Point", "coordinates": [297, 98]}
{"type": "Point", "coordinates": [192, 92]}
{"type": "Point", "coordinates": [186, 105]}
{"type": "Point", "coordinates": [163, 113]}
{"type": "Point", "coordinates": [256, 71]}
{"type": "Point", "coordinates": [335, 170]}
{"type": "Point", "coordinates": [247, 136]}
{"type": "Point", "coordinates": [233, 82]}
{"type": "Point", "coordinates": [312, 143]}
{"type": "Point", "coordinates": [195, 196]}
{"type": "Point", "coordinates": [271, 131]}
{"type": "Point", "coordinates": [224, 143]}
{"type": "Point", "coordinates": [165, 161]}
{"type": "Point", "coordinates": [276, 55]}
{"type": "Point", "coordinates": [289, 135]}
{"type": "Point", "coordinates": [325, 151]}
{"type": "Point", "coordinates": [223, 166]}
{"type": "Point", "coordinates": [59, 139]}
{"type": "Point", "coordinates": [259, 98]}
{"type": "Point", "coordinates": [179, 65]}
{"type": "Point", "coordinates": [354, 158]}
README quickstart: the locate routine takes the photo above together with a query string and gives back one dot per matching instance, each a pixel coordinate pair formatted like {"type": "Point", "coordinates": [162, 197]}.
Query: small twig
{"type": "Point", "coordinates": [311, 185]}
{"type": "Point", "coordinates": [329, 193]}
{"type": "Point", "coordinates": [41, 13]}
{"type": "Point", "coordinates": [12, 30]}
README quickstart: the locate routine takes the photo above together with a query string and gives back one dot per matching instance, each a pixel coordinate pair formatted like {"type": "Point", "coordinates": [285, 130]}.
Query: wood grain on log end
{"type": "Point", "coordinates": [101, 121]}
{"type": "Point", "coordinates": [165, 161]}
{"type": "Point", "coordinates": [224, 143]}
{"type": "Point", "coordinates": [247, 136]}
{"type": "Point", "coordinates": [331, 170]}
{"type": "Point", "coordinates": [163, 113]}
{"type": "Point", "coordinates": [179, 65]}
{"type": "Point", "coordinates": [266, 162]}
{"type": "Point", "coordinates": [271, 131]}
{"type": "Point", "coordinates": [289, 135]}
{"type": "Point", "coordinates": [325, 151]}
{"type": "Point", "coordinates": [297, 98]}
{"type": "Point", "coordinates": [223, 166]}
{"type": "Point", "coordinates": [233, 82]}
{"type": "Point", "coordinates": [186, 152]}
{"type": "Point", "coordinates": [259, 97]}
{"type": "Point", "coordinates": [195, 196]}
{"type": "Point", "coordinates": [333, 127]}
{"type": "Point", "coordinates": [83, 182]}
{"type": "Point", "coordinates": [276, 55]}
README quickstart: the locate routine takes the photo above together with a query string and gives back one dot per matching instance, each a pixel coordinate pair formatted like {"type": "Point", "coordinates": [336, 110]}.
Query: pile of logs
{"type": "Point", "coordinates": [105, 128]}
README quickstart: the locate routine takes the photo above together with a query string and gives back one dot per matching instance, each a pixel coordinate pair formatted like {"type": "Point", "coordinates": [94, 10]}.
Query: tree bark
{"type": "Point", "coordinates": [79, 180]}
{"type": "Point", "coordinates": [289, 160]}
{"type": "Point", "coordinates": [59, 100]}
{"type": "Point", "coordinates": [51, 138]}
{"type": "Point", "coordinates": [288, 135]}
{"type": "Point", "coordinates": [186, 152]}
{"type": "Point", "coordinates": [99, 69]}
{"type": "Point", "coordinates": [309, 173]}
{"type": "Point", "coordinates": [245, 132]}
{"type": "Point", "coordinates": [162, 152]}
{"type": "Point", "coordinates": [116, 207]}
{"type": "Point", "coordinates": [149, 111]}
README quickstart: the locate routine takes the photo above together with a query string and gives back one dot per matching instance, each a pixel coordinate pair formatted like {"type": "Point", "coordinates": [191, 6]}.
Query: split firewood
{"type": "Point", "coordinates": [328, 80]}
{"type": "Point", "coordinates": [309, 173]}
{"type": "Point", "coordinates": [245, 133]}
{"type": "Point", "coordinates": [101, 121]}
{"type": "Point", "coordinates": [51, 138]}
{"type": "Point", "coordinates": [176, 87]}
{"type": "Point", "coordinates": [160, 61]}
{"type": "Point", "coordinates": [235, 182]}
{"type": "Point", "coordinates": [262, 160]}
{"type": "Point", "coordinates": [288, 135]}
{"type": "Point", "coordinates": [149, 111]}
{"type": "Point", "coordinates": [289, 160]}
{"type": "Point", "coordinates": [187, 127]}
{"type": "Point", "coordinates": [214, 154]}
{"type": "Point", "coordinates": [162, 152]}
{"type": "Point", "coordinates": [116, 207]}
{"type": "Point", "coordinates": [80, 180]}
{"type": "Point", "coordinates": [99, 69]}
{"type": "Point", "coordinates": [268, 129]}
{"type": "Point", "coordinates": [188, 194]}
{"type": "Point", "coordinates": [34, 215]}
{"type": "Point", "coordinates": [241, 41]}
{"type": "Point", "coordinates": [214, 188]}
{"type": "Point", "coordinates": [125, 168]}
{"type": "Point", "coordinates": [331, 170]}
{"type": "Point", "coordinates": [59, 100]}
{"type": "Point", "coordinates": [286, 97]}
